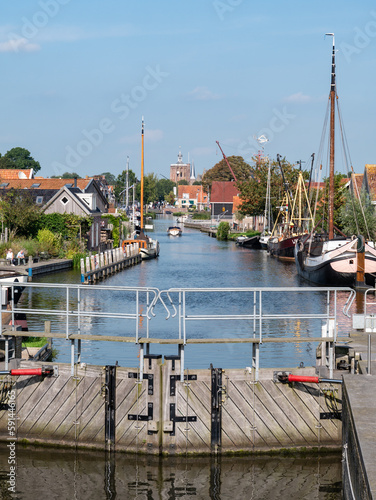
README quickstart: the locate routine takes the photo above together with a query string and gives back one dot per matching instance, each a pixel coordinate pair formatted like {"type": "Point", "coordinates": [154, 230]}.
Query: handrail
{"type": "Point", "coordinates": [253, 308]}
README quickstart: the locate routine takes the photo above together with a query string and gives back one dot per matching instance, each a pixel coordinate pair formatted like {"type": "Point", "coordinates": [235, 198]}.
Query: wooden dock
{"type": "Point", "coordinates": [99, 266]}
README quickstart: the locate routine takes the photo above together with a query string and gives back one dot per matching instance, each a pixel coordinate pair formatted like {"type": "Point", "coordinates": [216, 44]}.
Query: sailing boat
{"type": "Point", "coordinates": [291, 223]}
{"type": "Point", "coordinates": [323, 258]}
{"type": "Point", "coordinates": [149, 248]}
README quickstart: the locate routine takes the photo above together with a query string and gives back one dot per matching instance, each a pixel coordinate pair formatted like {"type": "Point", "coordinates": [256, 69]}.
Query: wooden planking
{"type": "Point", "coordinates": [194, 399]}
{"type": "Point", "coordinates": [133, 398]}
{"type": "Point", "coordinates": [63, 409]}
{"type": "Point", "coordinates": [255, 416]}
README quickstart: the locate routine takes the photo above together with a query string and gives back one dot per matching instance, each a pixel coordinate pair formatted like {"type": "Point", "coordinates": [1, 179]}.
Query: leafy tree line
{"type": "Point", "coordinates": [19, 158]}
{"type": "Point", "coordinates": [351, 215]}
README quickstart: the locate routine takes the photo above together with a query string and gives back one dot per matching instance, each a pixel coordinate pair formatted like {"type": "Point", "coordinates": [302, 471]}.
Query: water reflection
{"type": "Point", "coordinates": [83, 475]}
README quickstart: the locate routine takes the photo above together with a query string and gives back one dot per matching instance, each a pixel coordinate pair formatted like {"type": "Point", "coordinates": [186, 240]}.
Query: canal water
{"type": "Point", "coordinates": [194, 260]}
{"type": "Point", "coordinates": [199, 261]}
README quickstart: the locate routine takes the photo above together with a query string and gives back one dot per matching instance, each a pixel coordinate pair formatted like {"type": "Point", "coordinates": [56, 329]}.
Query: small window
{"type": "Point", "coordinates": [4, 184]}
{"type": "Point", "coordinates": [64, 200]}
{"type": "Point", "coordinates": [35, 185]}
{"type": "Point", "coordinates": [69, 185]}
{"type": "Point", "coordinates": [39, 200]}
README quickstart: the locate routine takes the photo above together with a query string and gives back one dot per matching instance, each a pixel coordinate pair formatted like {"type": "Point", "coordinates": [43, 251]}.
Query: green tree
{"type": "Point", "coordinates": [170, 198]}
{"type": "Point", "coordinates": [221, 172]}
{"type": "Point", "coordinates": [358, 216]}
{"type": "Point", "coordinates": [183, 182]}
{"type": "Point", "coordinates": [19, 158]}
{"type": "Point", "coordinates": [150, 188]}
{"type": "Point", "coordinates": [253, 190]}
{"type": "Point", "coordinates": [322, 205]}
{"type": "Point", "coordinates": [110, 178]}
{"type": "Point", "coordinates": [164, 188]}
{"type": "Point", "coordinates": [223, 231]}
{"type": "Point", "coordinates": [119, 189]}
{"type": "Point", "coordinates": [66, 175]}
{"type": "Point", "coordinates": [20, 214]}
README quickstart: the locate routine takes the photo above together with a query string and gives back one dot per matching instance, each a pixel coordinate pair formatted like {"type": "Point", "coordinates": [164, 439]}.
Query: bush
{"type": "Point", "coordinates": [201, 216]}
{"type": "Point", "coordinates": [49, 242]}
{"type": "Point", "coordinates": [223, 231]}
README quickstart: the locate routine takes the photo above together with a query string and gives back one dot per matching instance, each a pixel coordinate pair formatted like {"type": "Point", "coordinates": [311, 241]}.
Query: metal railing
{"type": "Point", "coordinates": [253, 308]}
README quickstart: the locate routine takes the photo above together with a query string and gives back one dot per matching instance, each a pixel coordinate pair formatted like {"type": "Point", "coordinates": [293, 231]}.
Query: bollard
{"type": "Point", "coordinates": [30, 270]}
{"type": "Point", "coordinates": [369, 362]}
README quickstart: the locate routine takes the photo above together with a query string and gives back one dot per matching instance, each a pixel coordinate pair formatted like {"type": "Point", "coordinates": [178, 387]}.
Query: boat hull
{"type": "Point", "coordinates": [253, 242]}
{"type": "Point", "coordinates": [282, 248]}
{"type": "Point", "coordinates": [174, 231]}
{"type": "Point", "coordinates": [150, 251]}
{"type": "Point", "coordinates": [337, 266]}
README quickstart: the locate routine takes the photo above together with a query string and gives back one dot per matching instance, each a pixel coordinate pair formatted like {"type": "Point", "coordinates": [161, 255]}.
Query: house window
{"type": "Point", "coordinates": [4, 184]}
{"type": "Point", "coordinates": [35, 185]}
{"type": "Point", "coordinates": [64, 200]}
{"type": "Point", "coordinates": [39, 200]}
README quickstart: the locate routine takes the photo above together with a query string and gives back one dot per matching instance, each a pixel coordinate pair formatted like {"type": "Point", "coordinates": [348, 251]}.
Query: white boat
{"type": "Point", "coordinates": [182, 218]}
{"type": "Point", "coordinates": [264, 238]}
{"type": "Point", "coordinates": [149, 248]}
{"type": "Point", "coordinates": [329, 259]}
{"type": "Point", "coordinates": [174, 231]}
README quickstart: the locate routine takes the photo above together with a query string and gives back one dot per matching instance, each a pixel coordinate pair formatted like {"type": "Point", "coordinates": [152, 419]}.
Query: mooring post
{"type": "Point", "coordinates": [30, 269]}
{"type": "Point", "coordinates": [216, 408]}
{"type": "Point", "coordinates": [369, 362]}
{"type": "Point", "coordinates": [110, 406]}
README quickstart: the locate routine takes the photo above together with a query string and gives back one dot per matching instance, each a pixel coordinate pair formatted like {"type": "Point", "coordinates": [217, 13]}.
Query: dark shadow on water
{"type": "Point", "coordinates": [68, 474]}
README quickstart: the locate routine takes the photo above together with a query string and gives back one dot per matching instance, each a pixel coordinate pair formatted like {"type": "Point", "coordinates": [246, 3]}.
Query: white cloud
{"type": "Point", "coordinates": [299, 97]}
{"type": "Point", "coordinates": [202, 94]}
{"type": "Point", "coordinates": [19, 45]}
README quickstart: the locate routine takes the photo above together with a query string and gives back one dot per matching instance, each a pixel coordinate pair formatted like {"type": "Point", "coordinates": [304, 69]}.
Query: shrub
{"type": "Point", "coordinates": [223, 231]}
{"type": "Point", "coordinates": [49, 242]}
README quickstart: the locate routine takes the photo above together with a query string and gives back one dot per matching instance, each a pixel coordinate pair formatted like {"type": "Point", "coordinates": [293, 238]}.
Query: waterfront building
{"type": "Point", "coordinates": [189, 196]}
{"type": "Point", "coordinates": [180, 171]}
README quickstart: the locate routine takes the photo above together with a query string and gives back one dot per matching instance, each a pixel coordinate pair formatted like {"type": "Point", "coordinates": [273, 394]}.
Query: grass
{"type": "Point", "coordinates": [34, 341]}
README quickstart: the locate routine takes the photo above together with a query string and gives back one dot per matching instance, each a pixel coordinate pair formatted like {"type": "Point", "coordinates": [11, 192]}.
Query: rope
{"type": "Point", "coordinates": [346, 460]}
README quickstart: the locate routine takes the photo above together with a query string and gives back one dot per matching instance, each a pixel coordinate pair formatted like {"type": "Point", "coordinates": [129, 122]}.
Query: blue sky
{"type": "Point", "coordinates": [78, 75]}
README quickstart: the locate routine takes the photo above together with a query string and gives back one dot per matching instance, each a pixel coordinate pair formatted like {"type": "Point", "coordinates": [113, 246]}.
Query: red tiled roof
{"type": "Point", "coordinates": [223, 191]}
{"type": "Point", "coordinates": [192, 191]}
{"type": "Point", "coordinates": [356, 183]}
{"type": "Point", "coordinates": [13, 173]}
{"type": "Point", "coordinates": [43, 183]}
{"type": "Point", "coordinates": [370, 174]}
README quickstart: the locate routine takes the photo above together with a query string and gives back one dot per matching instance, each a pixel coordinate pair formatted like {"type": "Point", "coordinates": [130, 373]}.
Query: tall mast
{"type": "Point", "coordinates": [142, 176]}
{"type": "Point", "coordinates": [126, 183]}
{"type": "Point", "coordinates": [332, 98]}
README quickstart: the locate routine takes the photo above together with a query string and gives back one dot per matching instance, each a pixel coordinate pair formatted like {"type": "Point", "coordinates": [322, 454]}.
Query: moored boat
{"type": "Point", "coordinates": [291, 224]}
{"type": "Point", "coordinates": [333, 259]}
{"type": "Point", "coordinates": [264, 238]}
{"type": "Point", "coordinates": [248, 241]}
{"type": "Point", "coordinates": [148, 247]}
{"type": "Point", "coordinates": [174, 231]}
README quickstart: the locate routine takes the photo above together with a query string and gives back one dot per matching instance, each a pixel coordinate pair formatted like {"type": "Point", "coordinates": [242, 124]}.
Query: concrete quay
{"type": "Point", "coordinates": [44, 266]}
{"type": "Point", "coordinates": [359, 423]}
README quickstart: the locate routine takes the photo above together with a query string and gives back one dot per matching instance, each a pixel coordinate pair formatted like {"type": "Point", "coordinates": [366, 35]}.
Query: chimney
{"type": "Point", "coordinates": [75, 182]}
